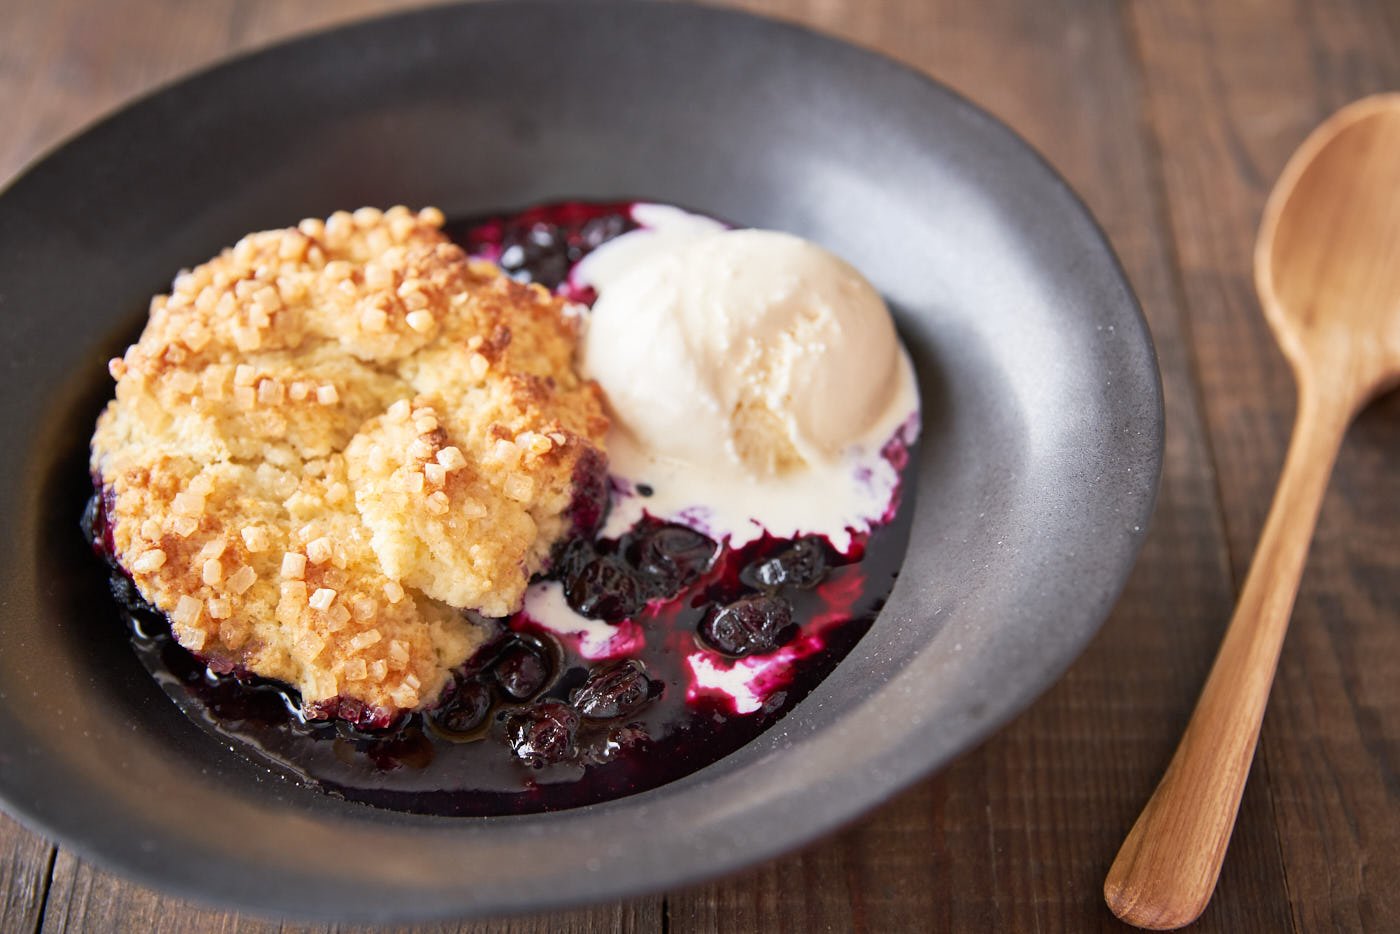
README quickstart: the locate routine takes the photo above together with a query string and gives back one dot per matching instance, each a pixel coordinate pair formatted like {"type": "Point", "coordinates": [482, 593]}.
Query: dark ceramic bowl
{"type": "Point", "coordinates": [1041, 453]}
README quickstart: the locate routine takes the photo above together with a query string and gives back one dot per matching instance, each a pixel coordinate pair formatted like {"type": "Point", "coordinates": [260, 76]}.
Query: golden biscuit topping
{"type": "Point", "coordinates": [331, 440]}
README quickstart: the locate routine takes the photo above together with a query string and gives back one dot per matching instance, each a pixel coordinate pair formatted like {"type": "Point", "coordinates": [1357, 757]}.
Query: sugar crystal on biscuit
{"type": "Point", "coordinates": [293, 565]}
{"type": "Point", "coordinates": [241, 579]}
{"type": "Point", "coordinates": [148, 561]}
{"type": "Point", "coordinates": [320, 550]}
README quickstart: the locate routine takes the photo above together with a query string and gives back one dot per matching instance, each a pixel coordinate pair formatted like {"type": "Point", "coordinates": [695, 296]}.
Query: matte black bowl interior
{"type": "Point", "coordinates": [1041, 453]}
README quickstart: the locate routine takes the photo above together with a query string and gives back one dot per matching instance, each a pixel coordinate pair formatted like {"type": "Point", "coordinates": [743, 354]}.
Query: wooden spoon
{"type": "Point", "coordinates": [1327, 267]}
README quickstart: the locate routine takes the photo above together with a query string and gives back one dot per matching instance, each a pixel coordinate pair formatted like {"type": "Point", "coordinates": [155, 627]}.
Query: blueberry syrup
{"type": "Point", "coordinates": [542, 244]}
{"type": "Point", "coordinates": [709, 645]}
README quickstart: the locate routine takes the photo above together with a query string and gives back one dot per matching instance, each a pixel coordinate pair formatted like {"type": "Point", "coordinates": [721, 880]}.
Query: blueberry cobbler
{"type": "Point", "coordinates": [516, 514]}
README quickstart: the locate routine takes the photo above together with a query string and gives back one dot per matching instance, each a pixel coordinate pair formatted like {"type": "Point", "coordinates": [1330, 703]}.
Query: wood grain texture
{"type": "Point", "coordinates": [83, 898]}
{"type": "Point", "coordinates": [1166, 871]}
{"type": "Point", "coordinates": [1331, 736]}
{"type": "Point", "coordinates": [24, 876]}
{"type": "Point", "coordinates": [1325, 271]}
{"type": "Point", "coordinates": [1171, 119]}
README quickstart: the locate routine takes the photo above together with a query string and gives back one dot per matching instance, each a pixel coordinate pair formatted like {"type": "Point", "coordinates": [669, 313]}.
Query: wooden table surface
{"type": "Point", "coordinates": [1171, 118]}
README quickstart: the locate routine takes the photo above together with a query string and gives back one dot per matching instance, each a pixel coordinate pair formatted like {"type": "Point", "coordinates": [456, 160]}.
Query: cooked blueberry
{"type": "Point", "coordinates": [465, 710]}
{"type": "Point", "coordinates": [538, 253]}
{"type": "Point", "coordinates": [570, 558]}
{"type": "Point", "coordinates": [591, 486]}
{"type": "Point", "coordinates": [604, 588]}
{"type": "Point", "coordinates": [613, 691]}
{"type": "Point", "coordinates": [125, 593]}
{"type": "Point", "coordinates": [749, 626]}
{"type": "Point", "coordinates": [550, 270]}
{"type": "Point", "coordinates": [670, 557]}
{"type": "Point", "coordinates": [544, 733]}
{"type": "Point", "coordinates": [802, 564]}
{"type": "Point", "coordinates": [521, 671]}
{"type": "Point", "coordinates": [543, 247]}
{"type": "Point", "coordinates": [600, 230]}
{"type": "Point", "coordinates": [353, 717]}
{"type": "Point", "coordinates": [94, 524]}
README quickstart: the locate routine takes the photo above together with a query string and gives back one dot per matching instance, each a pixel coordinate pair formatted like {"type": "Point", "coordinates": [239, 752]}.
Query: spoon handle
{"type": "Point", "coordinates": [1167, 868]}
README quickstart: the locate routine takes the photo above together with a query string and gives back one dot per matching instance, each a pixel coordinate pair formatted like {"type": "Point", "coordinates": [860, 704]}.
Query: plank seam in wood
{"type": "Point", "coordinates": [1153, 154]}
{"type": "Point", "coordinates": [44, 893]}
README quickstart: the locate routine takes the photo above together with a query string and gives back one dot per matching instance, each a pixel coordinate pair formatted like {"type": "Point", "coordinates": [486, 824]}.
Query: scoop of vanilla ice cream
{"type": "Point", "coordinates": [748, 349]}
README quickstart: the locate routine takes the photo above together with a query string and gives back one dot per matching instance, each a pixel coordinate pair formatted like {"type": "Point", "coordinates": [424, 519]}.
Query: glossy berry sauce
{"type": "Point", "coordinates": [709, 647]}
{"type": "Point", "coordinates": [542, 244]}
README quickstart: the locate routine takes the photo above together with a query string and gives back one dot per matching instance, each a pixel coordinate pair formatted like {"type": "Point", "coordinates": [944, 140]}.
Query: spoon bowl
{"type": "Point", "coordinates": [1325, 267]}
{"type": "Point", "coordinates": [1325, 264]}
